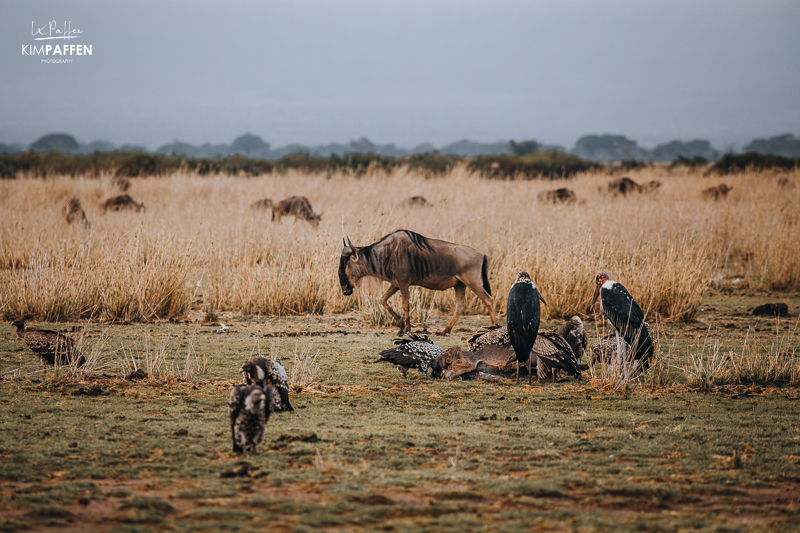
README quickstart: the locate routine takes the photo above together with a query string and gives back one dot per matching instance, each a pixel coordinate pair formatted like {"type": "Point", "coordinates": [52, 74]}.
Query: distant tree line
{"type": "Point", "coordinates": [598, 148]}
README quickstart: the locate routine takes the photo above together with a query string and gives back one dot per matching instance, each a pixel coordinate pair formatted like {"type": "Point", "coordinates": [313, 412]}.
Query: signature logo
{"type": "Point", "coordinates": [51, 31]}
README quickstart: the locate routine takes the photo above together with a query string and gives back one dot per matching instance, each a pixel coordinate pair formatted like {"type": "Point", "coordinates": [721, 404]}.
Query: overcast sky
{"type": "Point", "coordinates": [406, 72]}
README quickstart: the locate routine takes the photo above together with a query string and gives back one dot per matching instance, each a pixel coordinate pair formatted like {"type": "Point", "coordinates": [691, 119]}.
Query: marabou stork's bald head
{"type": "Point", "coordinates": [601, 278]}
{"type": "Point", "coordinates": [524, 277]}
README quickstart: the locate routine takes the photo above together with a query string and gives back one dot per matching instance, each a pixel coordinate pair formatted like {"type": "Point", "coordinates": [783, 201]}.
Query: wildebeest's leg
{"type": "Point", "coordinates": [484, 296]}
{"type": "Point", "coordinates": [385, 301]}
{"type": "Point", "coordinates": [406, 327]}
{"type": "Point", "coordinates": [461, 303]}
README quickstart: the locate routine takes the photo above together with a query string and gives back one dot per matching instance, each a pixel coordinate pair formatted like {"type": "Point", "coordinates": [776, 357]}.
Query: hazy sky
{"type": "Point", "coordinates": [405, 72]}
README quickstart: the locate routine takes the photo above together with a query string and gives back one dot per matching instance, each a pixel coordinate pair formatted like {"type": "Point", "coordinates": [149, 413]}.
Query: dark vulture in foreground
{"type": "Point", "coordinates": [522, 318]}
{"type": "Point", "coordinates": [418, 352]}
{"type": "Point", "coordinates": [249, 410]}
{"type": "Point", "coordinates": [50, 346]}
{"type": "Point", "coordinates": [262, 371]}
{"type": "Point", "coordinates": [626, 316]}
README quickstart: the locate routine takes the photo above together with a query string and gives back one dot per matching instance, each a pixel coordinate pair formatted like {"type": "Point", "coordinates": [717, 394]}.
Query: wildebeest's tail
{"type": "Point", "coordinates": [485, 275]}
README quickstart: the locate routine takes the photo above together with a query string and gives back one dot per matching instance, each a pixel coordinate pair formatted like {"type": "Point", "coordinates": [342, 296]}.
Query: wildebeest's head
{"type": "Point", "coordinates": [349, 267]}
{"type": "Point", "coordinates": [314, 219]}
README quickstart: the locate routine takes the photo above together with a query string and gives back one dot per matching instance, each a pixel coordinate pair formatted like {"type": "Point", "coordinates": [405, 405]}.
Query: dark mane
{"type": "Point", "coordinates": [420, 241]}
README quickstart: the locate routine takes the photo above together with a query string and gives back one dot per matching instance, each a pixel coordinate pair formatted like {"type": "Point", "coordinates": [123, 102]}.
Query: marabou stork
{"type": "Point", "coordinates": [626, 316]}
{"type": "Point", "coordinates": [522, 318]}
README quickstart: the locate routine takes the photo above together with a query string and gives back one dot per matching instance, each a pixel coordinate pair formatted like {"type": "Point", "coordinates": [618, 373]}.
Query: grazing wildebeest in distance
{"type": "Point", "coordinates": [623, 186]}
{"type": "Point", "coordinates": [716, 193]}
{"type": "Point", "coordinates": [558, 196]}
{"type": "Point", "coordinates": [73, 212]}
{"type": "Point", "coordinates": [123, 201]}
{"type": "Point", "coordinates": [651, 186]}
{"type": "Point", "coordinates": [416, 201]}
{"type": "Point", "coordinates": [405, 258]}
{"type": "Point", "coordinates": [297, 206]}
{"type": "Point", "coordinates": [120, 184]}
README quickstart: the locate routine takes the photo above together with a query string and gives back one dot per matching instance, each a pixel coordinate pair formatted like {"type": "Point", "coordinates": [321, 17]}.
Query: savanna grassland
{"type": "Point", "coordinates": [708, 439]}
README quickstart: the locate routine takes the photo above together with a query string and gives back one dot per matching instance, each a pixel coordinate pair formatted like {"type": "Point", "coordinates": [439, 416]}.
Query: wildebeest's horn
{"type": "Point", "coordinates": [350, 244]}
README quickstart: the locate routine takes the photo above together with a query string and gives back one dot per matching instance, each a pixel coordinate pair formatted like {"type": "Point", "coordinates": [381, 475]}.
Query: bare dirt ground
{"type": "Point", "coordinates": [366, 450]}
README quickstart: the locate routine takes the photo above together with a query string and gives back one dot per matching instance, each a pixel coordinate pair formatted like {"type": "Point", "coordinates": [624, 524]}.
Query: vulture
{"type": "Point", "coordinates": [605, 349]}
{"type": "Point", "coordinates": [572, 331]}
{"type": "Point", "coordinates": [418, 352]}
{"type": "Point", "coordinates": [626, 316]}
{"type": "Point", "coordinates": [495, 335]}
{"type": "Point", "coordinates": [522, 318]}
{"type": "Point", "coordinates": [262, 371]}
{"type": "Point", "coordinates": [50, 346]}
{"type": "Point", "coordinates": [558, 350]}
{"type": "Point", "coordinates": [249, 411]}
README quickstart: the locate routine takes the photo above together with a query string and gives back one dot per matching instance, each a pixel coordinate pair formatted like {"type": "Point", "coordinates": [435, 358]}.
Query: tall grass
{"type": "Point", "coordinates": [200, 246]}
{"type": "Point", "coordinates": [773, 361]}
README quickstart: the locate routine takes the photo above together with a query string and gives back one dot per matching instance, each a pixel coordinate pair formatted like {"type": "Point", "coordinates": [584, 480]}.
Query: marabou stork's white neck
{"type": "Point", "coordinates": [609, 284]}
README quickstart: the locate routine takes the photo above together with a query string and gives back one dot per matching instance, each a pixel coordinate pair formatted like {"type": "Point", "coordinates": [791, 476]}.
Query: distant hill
{"type": "Point", "coordinates": [786, 145]}
{"type": "Point", "coordinates": [62, 142]}
{"type": "Point", "coordinates": [605, 148]}
{"type": "Point", "coordinates": [675, 149]}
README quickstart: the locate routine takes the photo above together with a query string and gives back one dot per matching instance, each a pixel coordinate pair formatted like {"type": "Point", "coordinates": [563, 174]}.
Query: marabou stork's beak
{"type": "Point", "coordinates": [596, 294]}
{"type": "Point", "coordinates": [542, 299]}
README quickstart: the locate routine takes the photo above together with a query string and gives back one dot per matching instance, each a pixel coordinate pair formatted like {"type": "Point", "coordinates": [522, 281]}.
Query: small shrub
{"type": "Point", "coordinates": [361, 164]}
{"type": "Point", "coordinates": [732, 164]}
{"type": "Point", "coordinates": [689, 162]}
{"type": "Point", "coordinates": [431, 164]}
{"type": "Point", "coordinates": [550, 164]}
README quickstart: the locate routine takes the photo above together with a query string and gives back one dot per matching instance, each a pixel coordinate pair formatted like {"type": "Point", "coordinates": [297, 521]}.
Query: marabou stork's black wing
{"type": "Point", "coordinates": [555, 352]}
{"type": "Point", "coordinates": [522, 318]}
{"type": "Point", "coordinates": [626, 316]}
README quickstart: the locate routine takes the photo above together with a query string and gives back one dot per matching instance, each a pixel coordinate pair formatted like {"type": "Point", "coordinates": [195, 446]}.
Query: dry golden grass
{"type": "Point", "coordinates": [200, 246]}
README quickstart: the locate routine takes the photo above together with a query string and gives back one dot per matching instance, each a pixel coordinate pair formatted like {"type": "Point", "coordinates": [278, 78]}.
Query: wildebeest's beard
{"type": "Point", "coordinates": [347, 288]}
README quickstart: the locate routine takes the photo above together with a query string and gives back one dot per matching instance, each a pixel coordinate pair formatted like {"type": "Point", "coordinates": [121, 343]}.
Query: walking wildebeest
{"type": "Point", "coordinates": [121, 184]}
{"type": "Point", "coordinates": [73, 212]}
{"type": "Point", "coordinates": [297, 206]}
{"type": "Point", "coordinates": [123, 201]}
{"type": "Point", "coordinates": [405, 258]}
{"type": "Point", "coordinates": [563, 196]}
{"type": "Point", "coordinates": [716, 193]}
